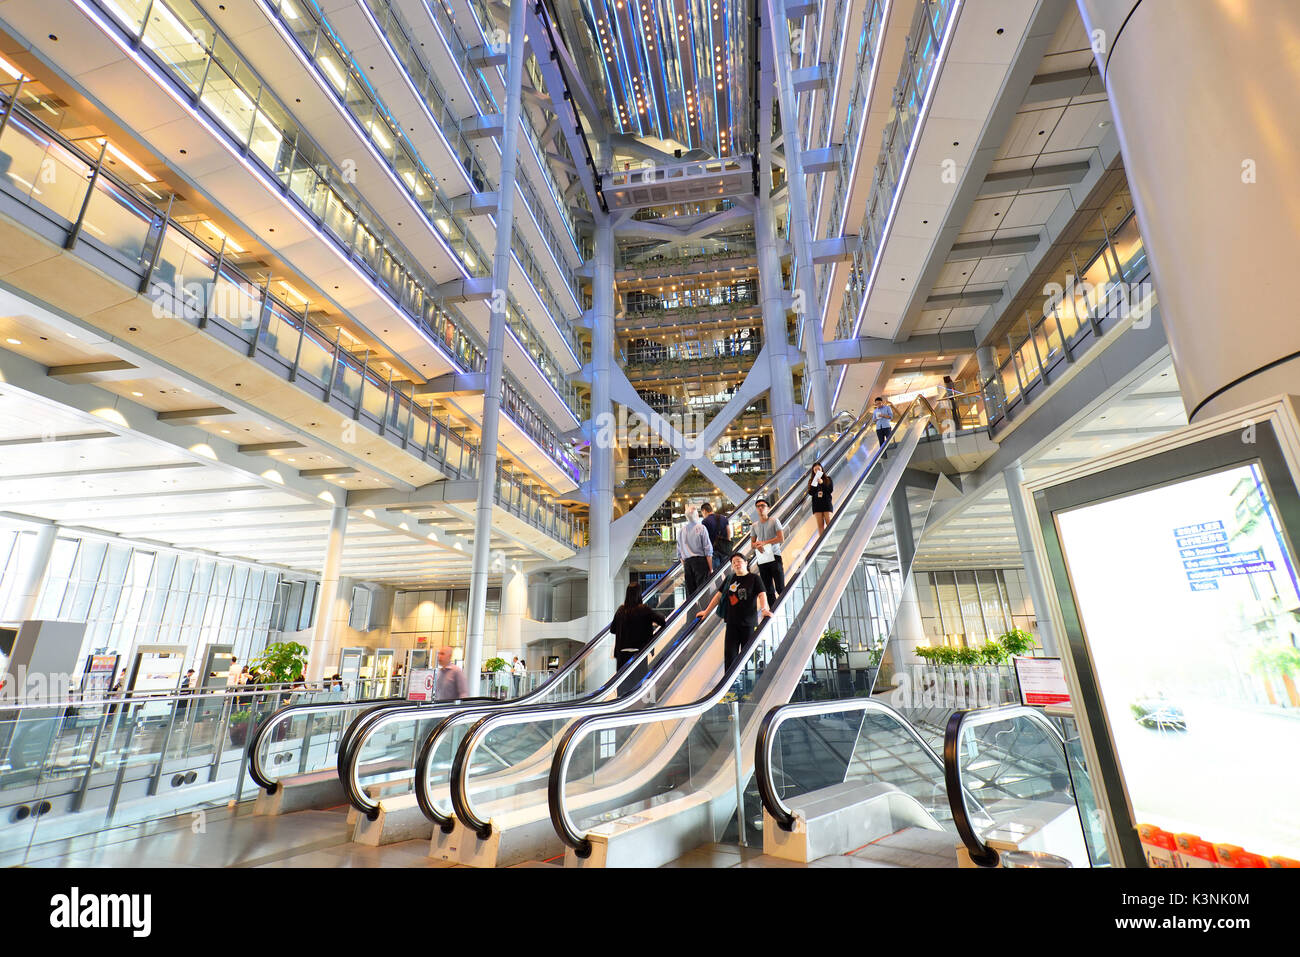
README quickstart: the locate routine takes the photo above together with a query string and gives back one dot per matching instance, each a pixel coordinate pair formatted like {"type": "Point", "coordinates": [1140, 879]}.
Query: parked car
{"type": "Point", "coordinates": [1159, 713]}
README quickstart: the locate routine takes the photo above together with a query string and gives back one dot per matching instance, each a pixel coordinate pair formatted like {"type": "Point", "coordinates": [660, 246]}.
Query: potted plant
{"type": "Point", "coordinates": [281, 662]}
{"type": "Point", "coordinates": [830, 645]}
{"type": "Point", "coordinates": [238, 726]}
{"type": "Point", "coordinates": [497, 668]}
{"type": "Point", "coordinates": [1017, 642]}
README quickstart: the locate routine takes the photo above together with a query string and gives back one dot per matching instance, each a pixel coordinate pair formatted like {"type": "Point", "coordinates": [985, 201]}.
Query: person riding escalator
{"type": "Point", "coordinates": [744, 602]}
{"type": "Point", "coordinates": [634, 625]}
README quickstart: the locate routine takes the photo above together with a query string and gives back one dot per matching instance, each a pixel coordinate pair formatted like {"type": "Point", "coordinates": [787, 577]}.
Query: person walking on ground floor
{"type": "Point", "coordinates": [820, 488]}
{"type": "Point", "coordinates": [744, 601]}
{"type": "Point", "coordinates": [695, 552]}
{"type": "Point", "coordinates": [769, 534]}
{"type": "Point", "coordinates": [450, 682]}
{"type": "Point", "coordinates": [634, 625]}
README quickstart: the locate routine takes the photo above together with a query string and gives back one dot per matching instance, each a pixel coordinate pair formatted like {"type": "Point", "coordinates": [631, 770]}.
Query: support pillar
{"type": "Point", "coordinates": [1216, 198]}
{"type": "Point", "coordinates": [776, 339]}
{"type": "Point", "coordinates": [325, 630]}
{"type": "Point", "coordinates": [27, 594]}
{"type": "Point", "coordinates": [1014, 476]}
{"type": "Point", "coordinates": [987, 357]}
{"type": "Point", "coordinates": [514, 609]}
{"type": "Point", "coordinates": [904, 540]}
{"type": "Point", "coordinates": [600, 588]}
{"type": "Point", "coordinates": [487, 476]}
{"type": "Point", "coordinates": [800, 228]}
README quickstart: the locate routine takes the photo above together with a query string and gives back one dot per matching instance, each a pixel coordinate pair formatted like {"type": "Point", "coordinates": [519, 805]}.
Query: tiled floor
{"type": "Point", "coordinates": [236, 838]}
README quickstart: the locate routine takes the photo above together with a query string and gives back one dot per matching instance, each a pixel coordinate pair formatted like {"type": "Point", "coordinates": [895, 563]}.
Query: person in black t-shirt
{"type": "Point", "coordinates": [744, 601]}
{"type": "Point", "coordinates": [633, 627]}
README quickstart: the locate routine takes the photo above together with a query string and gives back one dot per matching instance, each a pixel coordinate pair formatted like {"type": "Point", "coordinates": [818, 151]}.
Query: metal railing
{"type": "Point", "coordinates": [205, 69]}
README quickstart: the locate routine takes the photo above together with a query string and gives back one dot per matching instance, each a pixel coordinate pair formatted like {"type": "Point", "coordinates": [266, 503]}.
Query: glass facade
{"type": "Point", "coordinates": [967, 607]}
{"type": "Point", "coordinates": [130, 595]}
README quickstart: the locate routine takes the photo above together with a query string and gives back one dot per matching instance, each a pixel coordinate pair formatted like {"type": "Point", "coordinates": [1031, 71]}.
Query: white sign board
{"type": "Point", "coordinates": [420, 684]}
{"type": "Point", "coordinates": [1042, 681]}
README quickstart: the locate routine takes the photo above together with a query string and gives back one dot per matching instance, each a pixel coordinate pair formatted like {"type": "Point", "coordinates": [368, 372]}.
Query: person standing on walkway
{"type": "Point", "coordinates": [769, 533]}
{"type": "Point", "coordinates": [820, 488]}
{"type": "Point", "coordinates": [633, 627]}
{"type": "Point", "coordinates": [450, 682]}
{"type": "Point", "coordinates": [518, 672]}
{"type": "Point", "coordinates": [695, 552]}
{"type": "Point", "coordinates": [744, 601]}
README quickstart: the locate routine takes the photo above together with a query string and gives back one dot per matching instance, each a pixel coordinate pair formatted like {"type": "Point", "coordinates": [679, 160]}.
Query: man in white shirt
{"type": "Point", "coordinates": [695, 551]}
{"type": "Point", "coordinates": [768, 534]}
{"type": "Point", "coordinates": [518, 671]}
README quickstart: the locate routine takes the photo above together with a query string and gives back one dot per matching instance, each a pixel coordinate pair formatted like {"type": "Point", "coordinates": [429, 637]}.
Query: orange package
{"type": "Point", "coordinates": [1158, 846]}
{"type": "Point", "coordinates": [1194, 852]}
{"type": "Point", "coordinates": [1230, 855]}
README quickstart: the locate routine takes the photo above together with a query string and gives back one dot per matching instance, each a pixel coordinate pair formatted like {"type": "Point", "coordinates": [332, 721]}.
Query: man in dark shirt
{"type": "Point", "coordinates": [719, 533]}
{"type": "Point", "coordinates": [744, 601]}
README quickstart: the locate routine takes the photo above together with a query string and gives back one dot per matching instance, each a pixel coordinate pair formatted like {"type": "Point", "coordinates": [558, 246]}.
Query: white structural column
{"type": "Point", "coordinates": [487, 478]}
{"type": "Point", "coordinates": [1014, 476]}
{"type": "Point", "coordinates": [1216, 195]}
{"type": "Point", "coordinates": [800, 226]}
{"type": "Point", "coordinates": [28, 591]}
{"type": "Point", "coordinates": [325, 630]}
{"type": "Point", "coordinates": [600, 587]}
{"type": "Point", "coordinates": [780, 395]}
{"type": "Point", "coordinates": [514, 609]}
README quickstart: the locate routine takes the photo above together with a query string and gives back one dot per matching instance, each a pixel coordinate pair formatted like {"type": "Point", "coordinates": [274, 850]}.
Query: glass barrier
{"type": "Point", "coordinates": [1011, 765]}
{"type": "Point", "coordinates": [612, 766]}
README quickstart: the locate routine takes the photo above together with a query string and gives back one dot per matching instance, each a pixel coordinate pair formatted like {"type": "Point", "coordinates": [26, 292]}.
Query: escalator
{"type": "Point", "coordinates": [378, 759]}
{"type": "Point", "coordinates": [1006, 785]}
{"type": "Point", "coordinates": [640, 788]}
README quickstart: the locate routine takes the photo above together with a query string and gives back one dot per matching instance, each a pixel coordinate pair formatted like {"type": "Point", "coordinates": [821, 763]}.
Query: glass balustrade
{"type": "Point", "coordinates": [256, 120]}
{"type": "Point", "coordinates": [925, 39]}
{"type": "Point", "coordinates": [189, 279]}
{"type": "Point", "coordinates": [323, 48]}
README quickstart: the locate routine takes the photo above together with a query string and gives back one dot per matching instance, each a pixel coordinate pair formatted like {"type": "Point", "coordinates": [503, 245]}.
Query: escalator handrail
{"type": "Point", "coordinates": [980, 852]}
{"type": "Point", "coordinates": [777, 716]}
{"type": "Point", "coordinates": [787, 502]}
{"type": "Point", "coordinates": [583, 727]}
{"type": "Point", "coordinates": [357, 733]}
{"type": "Point", "coordinates": [288, 713]}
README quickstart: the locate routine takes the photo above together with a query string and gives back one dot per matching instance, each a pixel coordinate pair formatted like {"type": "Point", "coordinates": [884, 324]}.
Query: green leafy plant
{"type": "Point", "coordinates": [495, 664]}
{"type": "Point", "coordinates": [241, 717]}
{"type": "Point", "coordinates": [831, 643]}
{"type": "Point", "coordinates": [281, 662]}
{"type": "Point", "coordinates": [1017, 642]}
{"type": "Point", "coordinates": [993, 653]}
{"type": "Point", "coordinates": [968, 657]}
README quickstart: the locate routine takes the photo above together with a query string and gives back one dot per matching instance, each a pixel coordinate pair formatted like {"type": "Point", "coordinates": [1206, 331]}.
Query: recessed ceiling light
{"type": "Point", "coordinates": [14, 342]}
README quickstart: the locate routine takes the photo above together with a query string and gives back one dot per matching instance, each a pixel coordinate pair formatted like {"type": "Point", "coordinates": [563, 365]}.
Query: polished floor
{"type": "Point", "coordinates": [235, 837]}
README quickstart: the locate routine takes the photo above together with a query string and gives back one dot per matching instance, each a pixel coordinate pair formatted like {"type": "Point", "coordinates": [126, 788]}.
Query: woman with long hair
{"type": "Point", "coordinates": [819, 490]}
{"type": "Point", "coordinates": [633, 627]}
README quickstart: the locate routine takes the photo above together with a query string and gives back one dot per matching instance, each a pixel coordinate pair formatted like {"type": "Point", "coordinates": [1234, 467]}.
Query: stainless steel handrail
{"type": "Point", "coordinates": [786, 504]}
{"type": "Point", "coordinates": [429, 748]}
{"type": "Point", "coordinates": [980, 852]}
{"type": "Point", "coordinates": [779, 715]}
{"type": "Point", "coordinates": [584, 727]}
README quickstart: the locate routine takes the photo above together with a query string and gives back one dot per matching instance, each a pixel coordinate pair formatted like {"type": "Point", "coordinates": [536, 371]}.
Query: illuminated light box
{"type": "Point", "coordinates": [1175, 567]}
